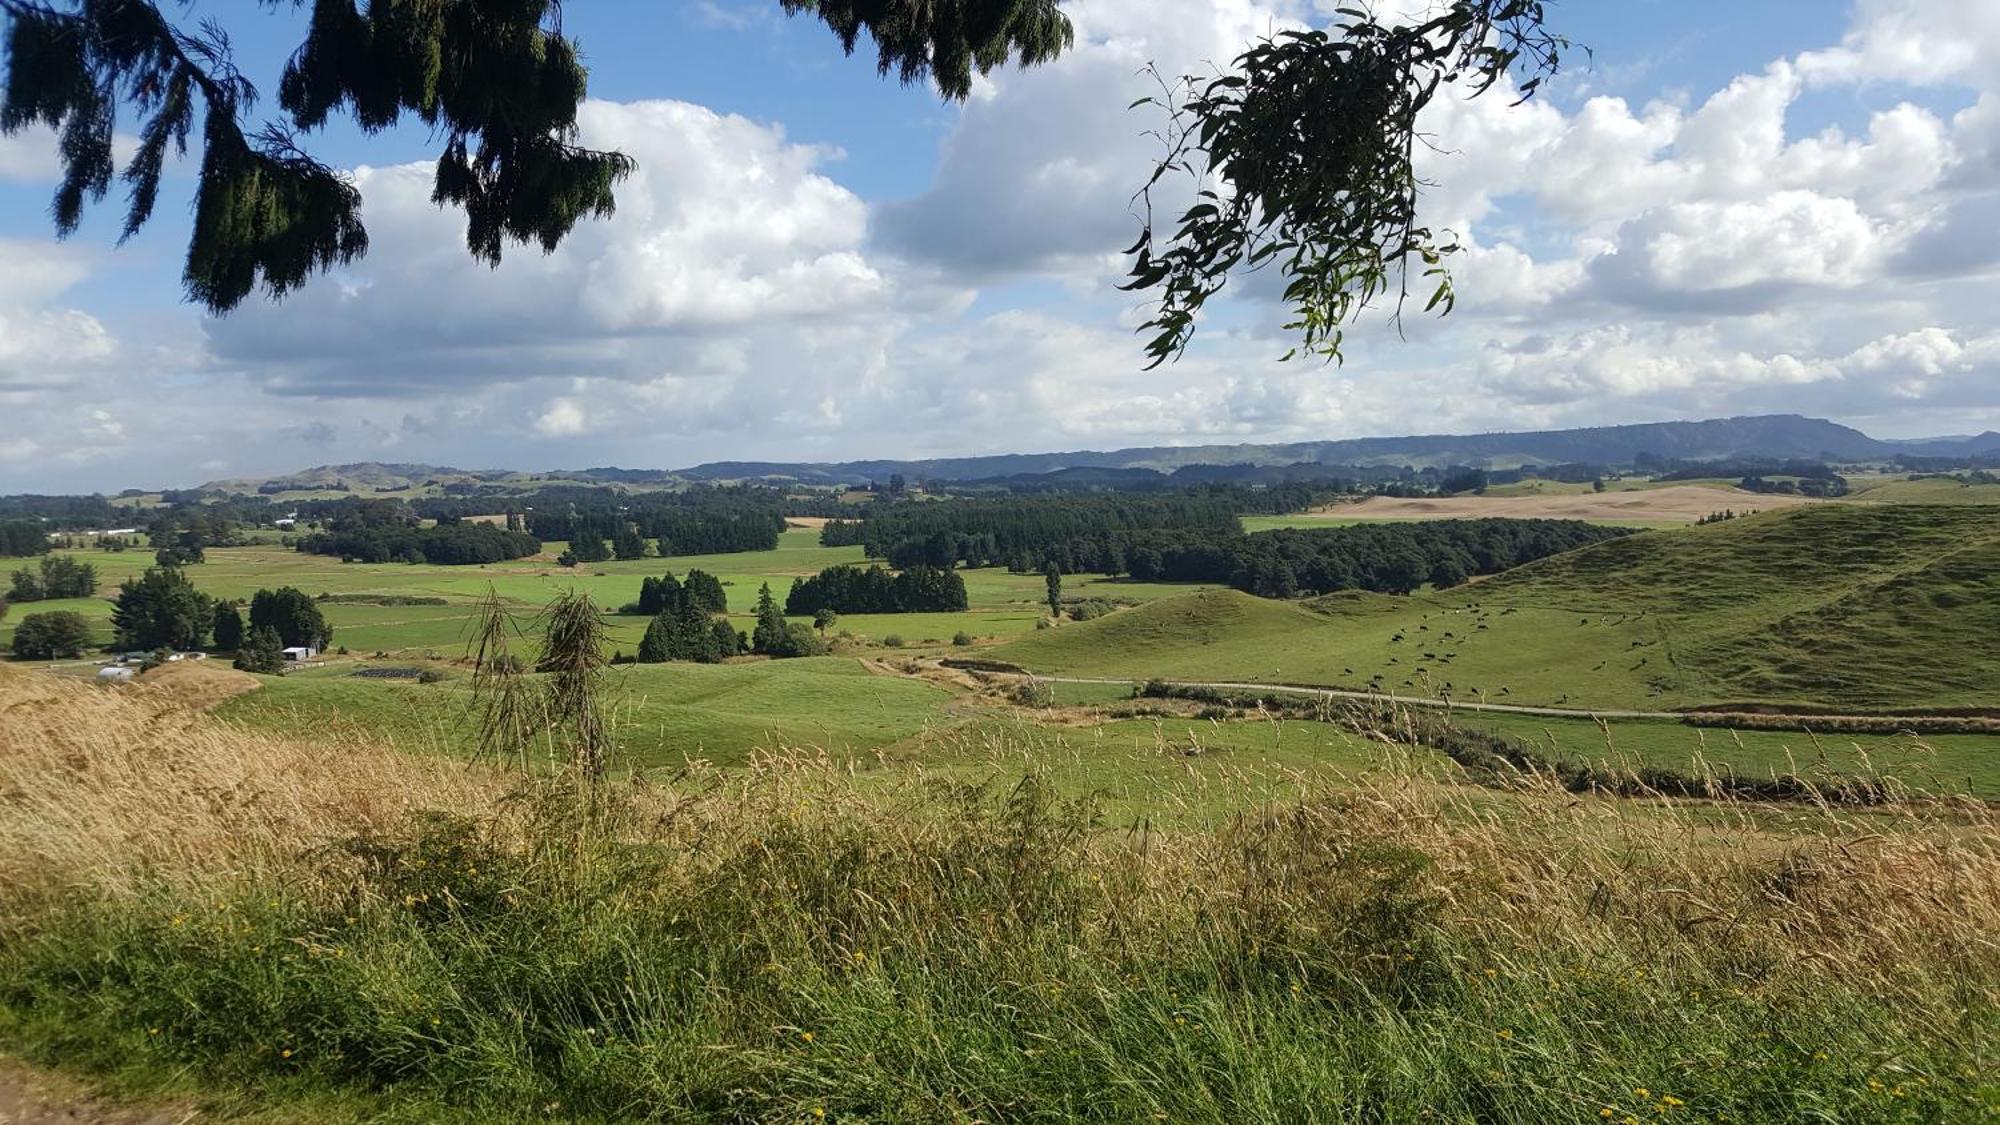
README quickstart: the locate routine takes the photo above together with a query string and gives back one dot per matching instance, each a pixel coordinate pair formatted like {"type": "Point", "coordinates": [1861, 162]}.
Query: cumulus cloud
{"type": "Point", "coordinates": [563, 418]}
{"type": "Point", "coordinates": [726, 225]}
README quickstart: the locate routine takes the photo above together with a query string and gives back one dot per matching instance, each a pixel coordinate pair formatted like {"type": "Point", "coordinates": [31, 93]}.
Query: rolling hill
{"type": "Point", "coordinates": [1779, 436]}
{"type": "Point", "coordinates": [1845, 607]}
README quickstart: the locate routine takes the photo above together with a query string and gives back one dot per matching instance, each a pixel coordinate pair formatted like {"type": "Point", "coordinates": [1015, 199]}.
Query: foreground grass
{"type": "Point", "coordinates": [192, 902]}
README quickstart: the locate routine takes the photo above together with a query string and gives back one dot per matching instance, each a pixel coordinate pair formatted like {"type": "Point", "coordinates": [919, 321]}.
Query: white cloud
{"type": "Point", "coordinates": [724, 226]}
{"type": "Point", "coordinates": [563, 418]}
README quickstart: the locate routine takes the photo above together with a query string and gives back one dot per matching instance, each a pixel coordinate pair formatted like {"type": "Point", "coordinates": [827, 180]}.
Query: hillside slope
{"type": "Point", "coordinates": [1846, 607]}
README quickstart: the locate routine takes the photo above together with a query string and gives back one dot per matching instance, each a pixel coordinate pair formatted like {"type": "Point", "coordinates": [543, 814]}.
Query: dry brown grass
{"type": "Point", "coordinates": [1683, 503]}
{"type": "Point", "coordinates": [116, 790]}
{"type": "Point", "coordinates": [111, 788]}
{"type": "Point", "coordinates": [201, 684]}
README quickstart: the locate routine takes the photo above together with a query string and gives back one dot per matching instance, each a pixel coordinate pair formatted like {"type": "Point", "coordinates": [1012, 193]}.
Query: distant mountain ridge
{"type": "Point", "coordinates": [1775, 436]}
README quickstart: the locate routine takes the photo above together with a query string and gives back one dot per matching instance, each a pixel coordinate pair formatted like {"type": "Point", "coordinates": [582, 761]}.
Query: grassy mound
{"type": "Point", "coordinates": [201, 684]}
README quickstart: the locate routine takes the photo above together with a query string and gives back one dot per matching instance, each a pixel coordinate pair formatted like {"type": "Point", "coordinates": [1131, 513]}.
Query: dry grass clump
{"type": "Point", "coordinates": [114, 788]}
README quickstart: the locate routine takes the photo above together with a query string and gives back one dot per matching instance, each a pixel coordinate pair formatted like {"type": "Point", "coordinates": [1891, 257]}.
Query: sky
{"type": "Point", "coordinates": [1723, 208]}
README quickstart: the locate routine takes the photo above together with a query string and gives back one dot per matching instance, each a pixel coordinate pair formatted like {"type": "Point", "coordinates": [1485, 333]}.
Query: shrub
{"type": "Point", "coordinates": [51, 636]}
{"type": "Point", "coordinates": [430, 676]}
{"type": "Point", "coordinates": [893, 640]}
{"type": "Point", "coordinates": [1033, 691]}
{"type": "Point", "coordinates": [1087, 609]}
{"type": "Point", "coordinates": [962, 639]}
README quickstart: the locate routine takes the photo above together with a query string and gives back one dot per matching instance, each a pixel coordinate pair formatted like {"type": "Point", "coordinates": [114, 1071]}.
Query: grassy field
{"type": "Point", "coordinates": [1002, 604]}
{"type": "Point", "coordinates": [1958, 763]}
{"type": "Point", "coordinates": [1899, 489]}
{"type": "Point", "coordinates": [893, 725]}
{"type": "Point", "coordinates": [1841, 606]}
{"type": "Point", "coordinates": [1834, 605]}
{"type": "Point", "coordinates": [322, 927]}
{"type": "Point", "coordinates": [667, 715]}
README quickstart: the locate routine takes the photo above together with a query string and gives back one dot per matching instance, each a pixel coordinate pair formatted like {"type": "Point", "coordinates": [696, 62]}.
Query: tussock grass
{"type": "Point", "coordinates": [779, 942]}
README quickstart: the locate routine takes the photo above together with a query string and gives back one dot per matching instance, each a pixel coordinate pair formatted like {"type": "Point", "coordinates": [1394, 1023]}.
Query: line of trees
{"type": "Point", "coordinates": [1017, 530]}
{"type": "Point", "coordinates": [460, 544]}
{"type": "Point", "coordinates": [855, 589]}
{"type": "Point", "coordinates": [1390, 558]}
{"type": "Point", "coordinates": [57, 577]}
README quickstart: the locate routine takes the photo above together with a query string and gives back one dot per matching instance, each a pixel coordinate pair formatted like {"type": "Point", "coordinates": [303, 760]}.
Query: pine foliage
{"type": "Point", "coordinates": [946, 41]}
{"type": "Point", "coordinates": [499, 83]}
{"type": "Point", "coordinates": [1302, 156]}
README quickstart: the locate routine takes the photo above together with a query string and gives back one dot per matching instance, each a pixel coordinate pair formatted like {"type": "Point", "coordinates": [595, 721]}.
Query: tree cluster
{"type": "Point", "coordinates": [1017, 530]}
{"type": "Point", "coordinates": [263, 652]}
{"type": "Point", "coordinates": [60, 635]}
{"type": "Point", "coordinates": [64, 513]}
{"type": "Point", "coordinates": [1824, 487]}
{"type": "Point", "coordinates": [776, 637]}
{"type": "Point", "coordinates": [698, 521]}
{"type": "Point", "coordinates": [461, 544]}
{"type": "Point", "coordinates": [58, 576]}
{"type": "Point", "coordinates": [23, 538]}
{"type": "Point", "coordinates": [855, 589]}
{"type": "Point", "coordinates": [658, 595]}
{"type": "Point", "coordinates": [687, 632]}
{"type": "Point", "coordinates": [162, 609]}
{"type": "Point", "coordinates": [295, 617]}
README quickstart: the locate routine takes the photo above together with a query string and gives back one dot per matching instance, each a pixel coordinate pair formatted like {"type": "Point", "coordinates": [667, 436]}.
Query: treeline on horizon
{"type": "Point", "coordinates": [1385, 558]}
{"type": "Point", "coordinates": [1188, 537]}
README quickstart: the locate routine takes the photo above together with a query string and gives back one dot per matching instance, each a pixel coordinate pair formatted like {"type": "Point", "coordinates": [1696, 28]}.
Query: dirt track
{"type": "Point", "coordinates": [1680, 503]}
{"type": "Point", "coordinates": [33, 1097]}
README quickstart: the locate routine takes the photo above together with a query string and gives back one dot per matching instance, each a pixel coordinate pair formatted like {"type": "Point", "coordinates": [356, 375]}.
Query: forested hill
{"type": "Point", "coordinates": [1780, 436]}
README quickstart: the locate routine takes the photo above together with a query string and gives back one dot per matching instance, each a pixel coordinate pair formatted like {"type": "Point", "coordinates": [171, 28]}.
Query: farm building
{"type": "Point", "coordinates": [298, 653]}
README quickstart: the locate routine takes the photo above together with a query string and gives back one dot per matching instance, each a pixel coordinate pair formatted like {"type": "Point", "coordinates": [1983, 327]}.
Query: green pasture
{"type": "Point", "coordinates": [1166, 767]}
{"type": "Point", "coordinates": [1966, 763]}
{"type": "Point", "coordinates": [1900, 489]}
{"type": "Point", "coordinates": [1002, 604]}
{"type": "Point", "coordinates": [1835, 606]}
{"type": "Point", "coordinates": [666, 714]}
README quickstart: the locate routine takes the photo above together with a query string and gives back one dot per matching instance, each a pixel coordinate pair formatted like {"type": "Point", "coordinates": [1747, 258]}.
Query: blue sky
{"type": "Point", "coordinates": [1724, 208]}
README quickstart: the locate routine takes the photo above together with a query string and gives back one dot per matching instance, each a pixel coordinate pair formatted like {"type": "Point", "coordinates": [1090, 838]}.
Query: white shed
{"type": "Point", "coordinates": [116, 674]}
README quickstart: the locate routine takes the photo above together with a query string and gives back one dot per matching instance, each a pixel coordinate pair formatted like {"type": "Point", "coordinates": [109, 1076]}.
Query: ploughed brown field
{"type": "Point", "coordinates": [1681, 503]}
